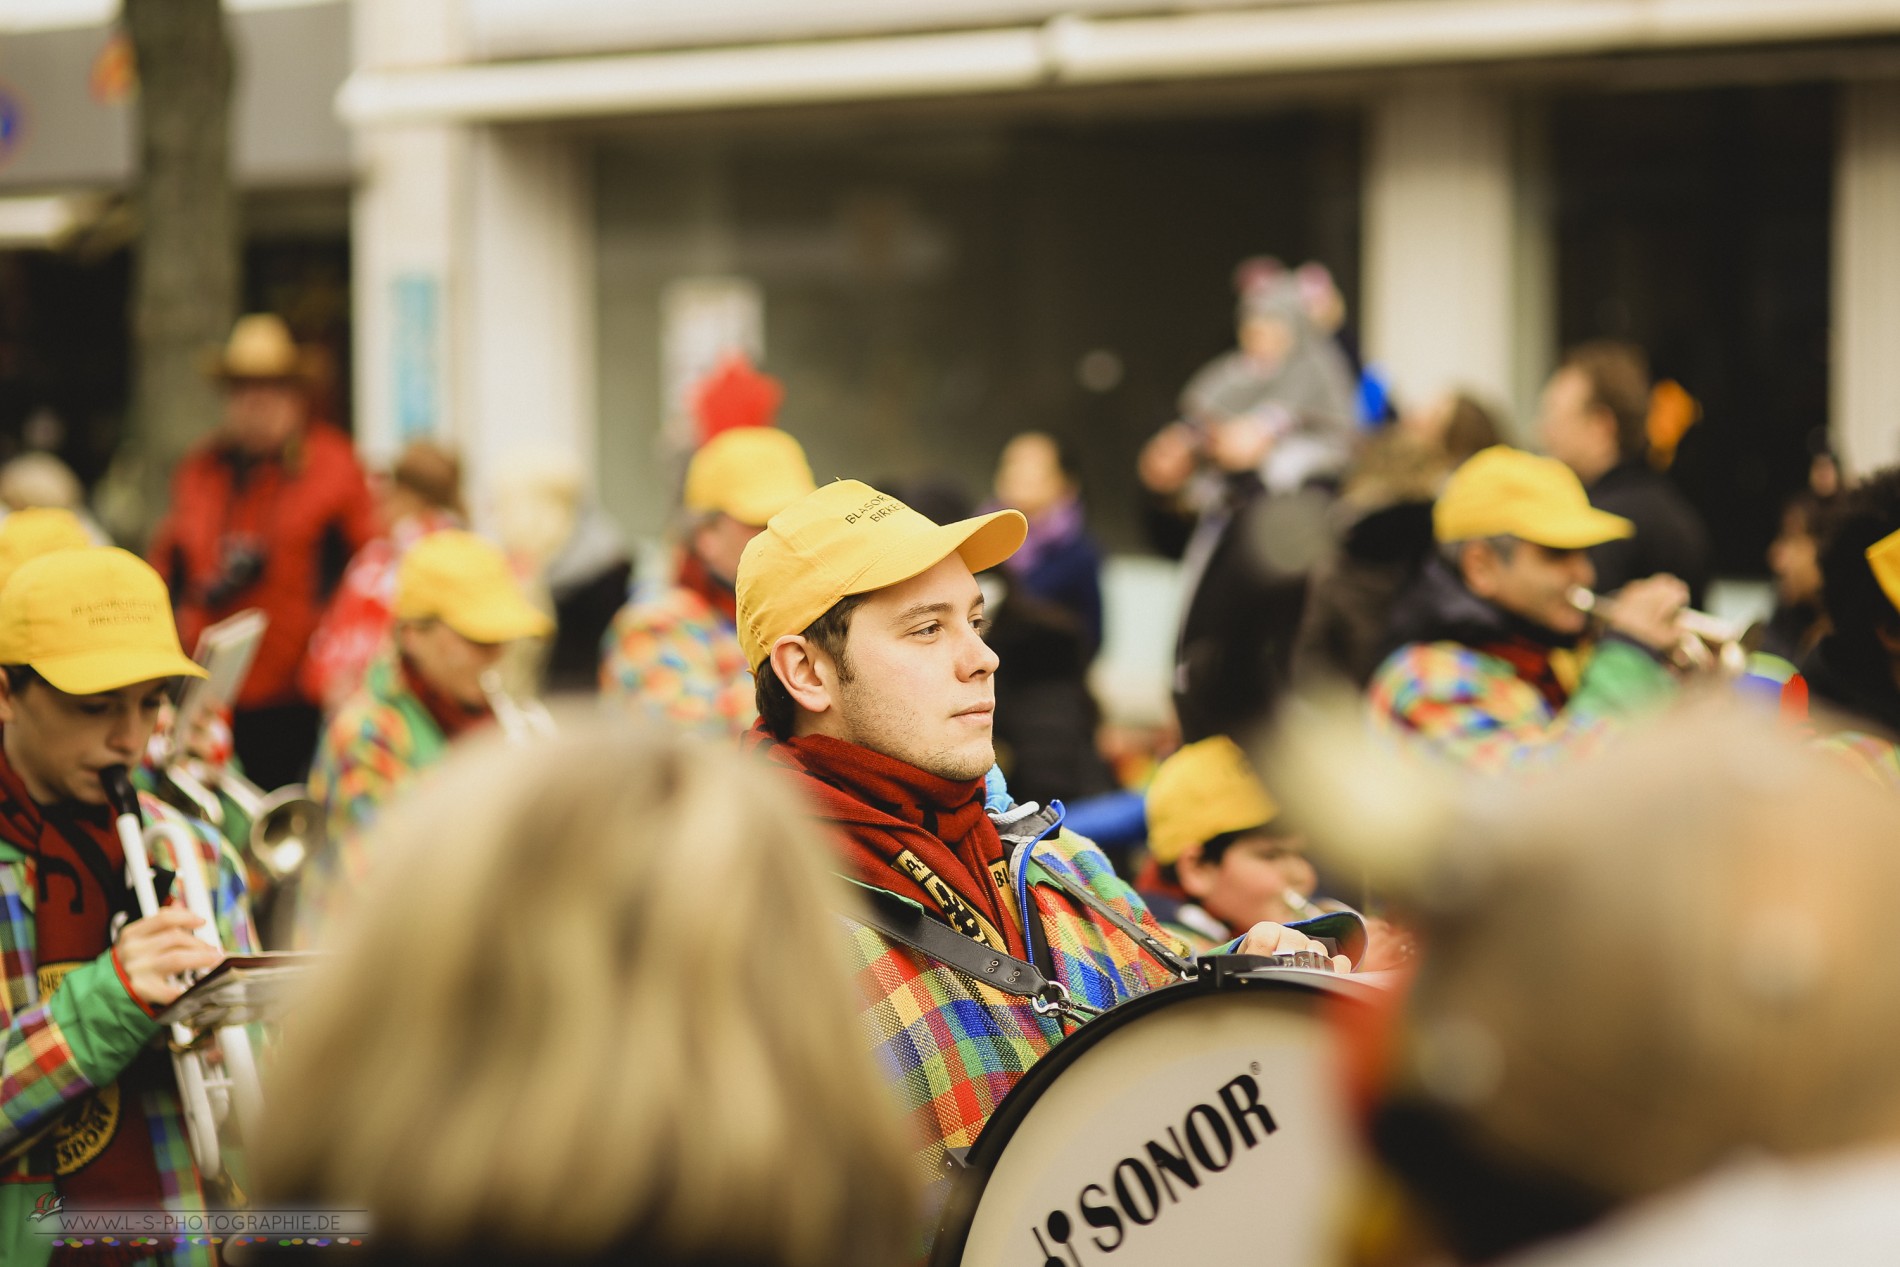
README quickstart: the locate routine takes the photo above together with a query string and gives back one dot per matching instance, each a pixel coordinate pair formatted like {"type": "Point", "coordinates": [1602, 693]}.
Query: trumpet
{"type": "Point", "coordinates": [286, 825]}
{"type": "Point", "coordinates": [522, 723]}
{"type": "Point", "coordinates": [1704, 642]}
{"type": "Point", "coordinates": [210, 1090]}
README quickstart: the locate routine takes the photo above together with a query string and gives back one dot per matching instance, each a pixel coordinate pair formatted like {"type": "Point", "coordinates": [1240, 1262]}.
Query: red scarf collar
{"type": "Point", "coordinates": [451, 714]}
{"type": "Point", "coordinates": [719, 595]}
{"type": "Point", "coordinates": [101, 1150]}
{"type": "Point", "coordinates": [1532, 663]}
{"type": "Point", "coordinates": [917, 835]}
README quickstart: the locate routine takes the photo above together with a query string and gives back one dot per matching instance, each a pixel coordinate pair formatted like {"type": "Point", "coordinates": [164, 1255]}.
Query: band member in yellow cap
{"type": "Point", "coordinates": [89, 1110]}
{"type": "Point", "coordinates": [988, 936]}
{"type": "Point", "coordinates": [1220, 861]}
{"type": "Point", "coordinates": [457, 607]}
{"type": "Point", "coordinates": [673, 651]}
{"type": "Point", "coordinates": [1493, 669]}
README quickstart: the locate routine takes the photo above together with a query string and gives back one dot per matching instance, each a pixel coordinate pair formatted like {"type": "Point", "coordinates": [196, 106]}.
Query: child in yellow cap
{"type": "Point", "coordinates": [88, 1108]}
{"type": "Point", "coordinates": [457, 607]}
{"type": "Point", "coordinates": [1220, 861]}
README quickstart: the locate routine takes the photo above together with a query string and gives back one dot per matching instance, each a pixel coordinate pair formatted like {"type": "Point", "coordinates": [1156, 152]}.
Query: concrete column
{"type": "Point", "coordinates": [474, 247]}
{"type": "Point", "coordinates": [407, 225]}
{"type": "Point", "coordinates": [1441, 245]}
{"type": "Point", "coordinates": [408, 231]}
{"type": "Point", "coordinates": [1866, 317]}
{"type": "Point", "coordinates": [527, 327]}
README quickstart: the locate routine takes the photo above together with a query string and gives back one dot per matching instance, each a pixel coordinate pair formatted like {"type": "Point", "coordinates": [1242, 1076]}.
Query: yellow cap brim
{"type": "Point", "coordinates": [504, 618]}
{"type": "Point", "coordinates": [95, 672]}
{"type": "Point", "coordinates": [983, 542]}
{"type": "Point", "coordinates": [1577, 530]}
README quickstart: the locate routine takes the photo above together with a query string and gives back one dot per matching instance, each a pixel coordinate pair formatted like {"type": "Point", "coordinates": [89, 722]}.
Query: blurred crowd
{"type": "Point", "coordinates": [1448, 719]}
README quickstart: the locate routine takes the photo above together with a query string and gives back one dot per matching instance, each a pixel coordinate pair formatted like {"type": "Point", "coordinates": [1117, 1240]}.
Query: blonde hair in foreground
{"type": "Point", "coordinates": [597, 995]}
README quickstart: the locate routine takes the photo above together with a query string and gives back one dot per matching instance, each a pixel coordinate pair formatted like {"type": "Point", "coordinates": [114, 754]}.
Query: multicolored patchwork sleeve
{"type": "Point", "coordinates": [367, 754]}
{"type": "Point", "coordinates": [55, 1050]}
{"type": "Point", "coordinates": [659, 662]}
{"type": "Point", "coordinates": [363, 759]}
{"type": "Point", "coordinates": [1099, 963]}
{"type": "Point", "coordinates": [1473, 709]}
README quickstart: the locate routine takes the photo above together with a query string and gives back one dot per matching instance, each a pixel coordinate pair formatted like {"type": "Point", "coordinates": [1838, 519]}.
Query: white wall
{"type": "Point", "coordinates": [1440, 224]}
{"type": "Point", "coordinates": [527, 364]}
{"type": "Point", "coordinates": [474, 274]}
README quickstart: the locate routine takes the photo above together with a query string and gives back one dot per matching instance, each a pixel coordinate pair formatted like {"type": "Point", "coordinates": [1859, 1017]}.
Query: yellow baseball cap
{"type": "Point", "coordinates": [464, 582]}
{"type": "Point", "coordinates": [1883, 556]}
{"type": "Point", "coordinates": [1205, 790]}
{"type": "Point", "coordinates": [750, 473]}
{"type": "Point", "coordinates": [91, 620]}
{"type": "Point", "coordinates": [36, 530]}
{"type": "Point", "coordinates": [847, 538]}
{"type": "Point", "coordinates": [1506, 492]}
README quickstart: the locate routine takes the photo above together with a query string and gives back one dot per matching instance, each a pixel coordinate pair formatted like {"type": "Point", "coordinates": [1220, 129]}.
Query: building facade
{"type": "Point", "coordinates": [949, 220]}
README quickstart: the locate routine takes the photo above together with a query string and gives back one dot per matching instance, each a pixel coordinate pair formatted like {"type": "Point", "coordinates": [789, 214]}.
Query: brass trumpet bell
{"type": "Point", "coordinates": [285, 831]}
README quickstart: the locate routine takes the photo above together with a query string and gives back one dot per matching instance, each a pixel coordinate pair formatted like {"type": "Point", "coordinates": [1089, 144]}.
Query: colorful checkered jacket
{"type": "Point", "coordinates": [1474, 708]}
{"type": "Point", "coordinates": [62, 1045]}
{"type": "Point", "coordinates": [370, 749]}
{"type": "Point", "coordinates": [669, 654]}
{"type": "Point", "coordinates": [953, 1046]}
{"type": "Point", "coordinates": [1480, 687]}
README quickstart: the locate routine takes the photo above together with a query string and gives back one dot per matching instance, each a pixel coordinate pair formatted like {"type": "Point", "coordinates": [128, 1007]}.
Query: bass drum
{"type": "Point", "coordinates": [1198, 1125]}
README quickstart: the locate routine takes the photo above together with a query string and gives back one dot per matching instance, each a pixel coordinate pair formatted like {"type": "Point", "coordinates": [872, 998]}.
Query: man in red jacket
{"type": "Point", "coordinates": [265, 513]}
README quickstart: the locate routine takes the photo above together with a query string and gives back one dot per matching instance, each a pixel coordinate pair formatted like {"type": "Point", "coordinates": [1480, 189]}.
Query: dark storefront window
{"type": "Point", "coordinates": [929, 292]}
{"type": "Point", "coordinates": [1697, 224]}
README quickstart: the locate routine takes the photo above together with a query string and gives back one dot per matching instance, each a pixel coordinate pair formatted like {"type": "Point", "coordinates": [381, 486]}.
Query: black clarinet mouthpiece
{"type": "Point", "coordinates": [120, 794]}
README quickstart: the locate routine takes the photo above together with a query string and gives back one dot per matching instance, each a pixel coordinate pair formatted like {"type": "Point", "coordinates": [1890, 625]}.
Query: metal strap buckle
{"type": "Point", "coordinates": [1055, 999]}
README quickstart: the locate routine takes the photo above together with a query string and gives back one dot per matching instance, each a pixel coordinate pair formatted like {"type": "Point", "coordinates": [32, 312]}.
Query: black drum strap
{"type": "Point", "coordinates": [1341, 932]}
{"type": "Point", "coordinates": [907, 923]}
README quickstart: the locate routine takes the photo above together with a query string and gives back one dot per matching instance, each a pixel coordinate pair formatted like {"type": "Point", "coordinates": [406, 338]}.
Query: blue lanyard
{"type": "Point", "coordinates": [1019, 866]}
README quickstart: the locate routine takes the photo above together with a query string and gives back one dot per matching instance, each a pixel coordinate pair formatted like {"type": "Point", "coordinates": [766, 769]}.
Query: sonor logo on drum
{"type": "Point", "coordinates": [1144, 1186]}
{"type": "Point", "coordinates": [1203, 1124]}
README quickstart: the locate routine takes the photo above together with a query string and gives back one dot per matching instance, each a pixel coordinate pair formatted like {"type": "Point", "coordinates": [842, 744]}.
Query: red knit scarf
{"type": "Point", "coordinates": [694, 575]}
{"type": "Point", "coordinates": [919, 836]}
{"type": "Point", "coordinates": [102, 1149]}
{"type": "Point", "coordinates": [451, 714]}
{"type": "Point", "coordinates": [1532, 663]}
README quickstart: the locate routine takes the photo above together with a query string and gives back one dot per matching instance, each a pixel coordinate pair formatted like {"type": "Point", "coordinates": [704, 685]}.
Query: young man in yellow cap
{"type": "Point", "coordinates": [673, 651]}
{"type": "Point", "coordinates": [864, 626]}
{"type": "Point", "coordinates": [1492, 670]}
{"type": "Point", "coordinates": [457, 607]}
{"type": "Point", "coordinates": [89, 1110]}
{"type": "Point", "coordinates": [1219, 861]}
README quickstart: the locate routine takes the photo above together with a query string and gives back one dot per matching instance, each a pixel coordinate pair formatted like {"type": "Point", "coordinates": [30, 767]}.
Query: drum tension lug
{"type": "Point", "coordinates": [956, 1160]}
{"type": "Point", "coordinates": [1221, 970]}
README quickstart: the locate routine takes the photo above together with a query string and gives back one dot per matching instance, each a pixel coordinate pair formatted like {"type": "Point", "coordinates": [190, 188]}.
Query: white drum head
{"type": "Point", "coordinates": [1208, 1131]}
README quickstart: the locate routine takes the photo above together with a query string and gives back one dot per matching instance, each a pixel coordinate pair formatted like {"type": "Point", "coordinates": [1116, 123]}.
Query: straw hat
{"type": "Point", "coordinates": [260, 347]}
